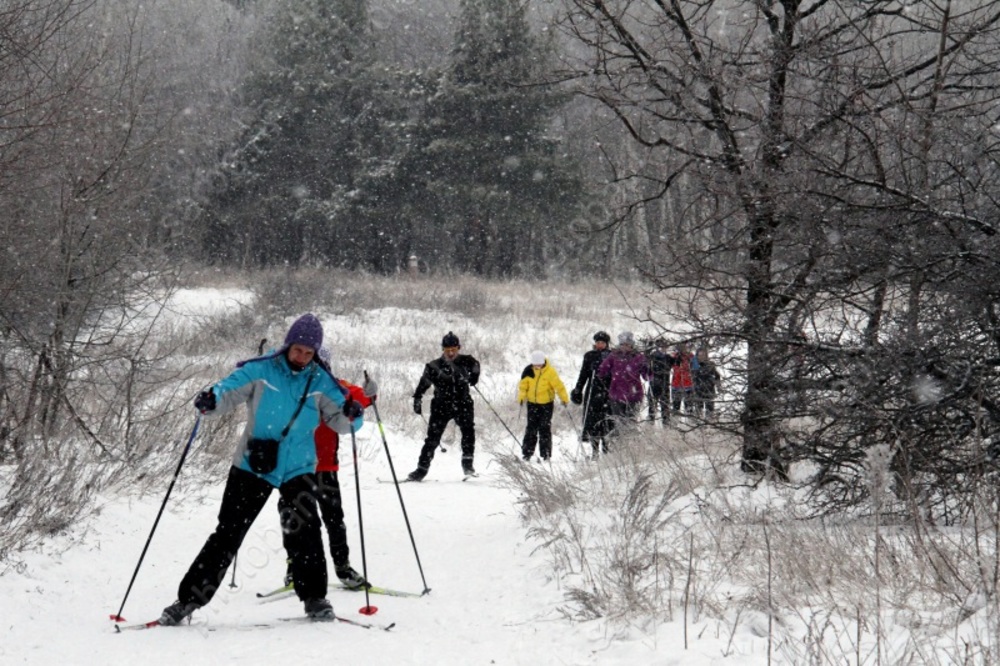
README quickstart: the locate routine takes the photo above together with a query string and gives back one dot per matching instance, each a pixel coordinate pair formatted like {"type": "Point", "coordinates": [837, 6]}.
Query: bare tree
{"type": "Point", "coordinates": [87, 126]}
{"type": "Point", "coordinates": [817, 154]}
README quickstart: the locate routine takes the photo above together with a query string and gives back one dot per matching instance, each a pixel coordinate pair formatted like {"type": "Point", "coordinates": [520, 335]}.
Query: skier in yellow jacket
{"type": "Point", "coordinates": [540, 384]}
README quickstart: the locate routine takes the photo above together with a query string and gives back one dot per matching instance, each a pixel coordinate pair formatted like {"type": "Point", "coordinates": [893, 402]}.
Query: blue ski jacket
{"type": "Point", "coordinates": [271, 390]}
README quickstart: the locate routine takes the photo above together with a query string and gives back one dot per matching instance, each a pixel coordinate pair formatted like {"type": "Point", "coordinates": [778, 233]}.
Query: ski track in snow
{"type": "Point", "coordinates": [490, 602]}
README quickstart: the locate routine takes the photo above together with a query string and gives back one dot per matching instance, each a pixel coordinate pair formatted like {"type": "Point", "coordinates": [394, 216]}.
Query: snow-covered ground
{"type": "Point", "coordinates": [490, 602]}
{"type": "Point", "coordinates": [498, 596]}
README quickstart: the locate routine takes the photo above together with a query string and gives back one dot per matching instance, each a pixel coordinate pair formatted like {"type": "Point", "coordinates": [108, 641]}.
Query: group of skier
{"type": "Point", "coordinates": [610, 388]}
{"type": "Point", "coordinates": [610, 385]}
{"type": "Point", "coordinates": [297, 409]}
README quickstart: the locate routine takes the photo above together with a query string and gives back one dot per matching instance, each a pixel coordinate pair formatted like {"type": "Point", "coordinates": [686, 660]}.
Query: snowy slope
{"type": "Point", "coordinates": [488, 604]}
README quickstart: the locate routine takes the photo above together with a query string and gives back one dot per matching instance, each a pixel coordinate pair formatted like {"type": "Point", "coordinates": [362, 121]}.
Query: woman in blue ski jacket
{"type": "Point", "coordinates": [286, 393]}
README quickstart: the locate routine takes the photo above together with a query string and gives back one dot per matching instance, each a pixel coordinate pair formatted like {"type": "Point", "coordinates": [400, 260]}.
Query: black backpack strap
{"type": "Point", "coordinates": [302, 402]}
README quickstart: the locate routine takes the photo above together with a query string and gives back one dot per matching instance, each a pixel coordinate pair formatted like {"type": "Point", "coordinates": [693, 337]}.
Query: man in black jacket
{"type": "Point", "coordinates": [592, 392]}
{"type": "Point", "coordinates": [451, 375]}
{"type": "Point", "coordinates": [660, 365]}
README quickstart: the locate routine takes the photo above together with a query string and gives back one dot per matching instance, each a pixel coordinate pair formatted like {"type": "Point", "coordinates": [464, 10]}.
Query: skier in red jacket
{"type": "Point", "coordinates": [328, 499]}
{"type": "Point", "coordinates": [682, 379]}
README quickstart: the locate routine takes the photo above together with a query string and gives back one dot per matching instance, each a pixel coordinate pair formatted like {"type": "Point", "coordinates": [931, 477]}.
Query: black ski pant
{"type": "Point", "coordinates": [538, 430]}
{"type": "Point", "coordinates": [331, 510]}
{"type": "Point", "coordinates": [441, 414]}
{"type": "Point", "coordinates": [704, 400]}
{"type": "Point", "coordinates": [244, 497]}
{"type": "Point", "coordinates": [659, 399]}
{"type": "Point", "coordinates": [597, 423]}
{"type": "Point", "coordinates": [683, 394]}
{"type": "Point", "coordinates": [623, 416]}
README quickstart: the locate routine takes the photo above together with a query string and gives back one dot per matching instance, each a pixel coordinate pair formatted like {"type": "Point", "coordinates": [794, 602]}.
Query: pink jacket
{"type": "Point", "coordinates": [626, 369]}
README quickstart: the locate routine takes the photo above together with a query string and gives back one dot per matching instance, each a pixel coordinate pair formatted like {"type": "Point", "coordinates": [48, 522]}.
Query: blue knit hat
{"type": "Point", "coordinates": [305, 331]}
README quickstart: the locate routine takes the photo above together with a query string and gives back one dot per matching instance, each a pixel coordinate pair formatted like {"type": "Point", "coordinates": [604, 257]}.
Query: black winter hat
{"type": "Point", "coordinates": [450, 340]}
{"type": "Point", "coordinates": [602, 336]}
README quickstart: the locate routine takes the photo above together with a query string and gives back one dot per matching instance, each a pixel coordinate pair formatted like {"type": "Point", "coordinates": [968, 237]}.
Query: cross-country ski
{"type": "Point", "coordinates": [288, 590]}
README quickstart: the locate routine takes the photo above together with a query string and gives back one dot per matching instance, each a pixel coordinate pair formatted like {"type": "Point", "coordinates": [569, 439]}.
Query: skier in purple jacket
{"type": "Point", "coordinates": [625, 368]}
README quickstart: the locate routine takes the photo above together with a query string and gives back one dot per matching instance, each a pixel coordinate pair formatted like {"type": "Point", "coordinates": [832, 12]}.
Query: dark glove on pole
{"type": "Point", "coordinates": [205, 402]}
{"type": "Point", "coordinates": [352, 409]}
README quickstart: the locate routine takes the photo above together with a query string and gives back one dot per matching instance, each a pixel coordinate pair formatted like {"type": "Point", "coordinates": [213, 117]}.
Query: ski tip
{"type": "Point", "coordinates": [119, 628]}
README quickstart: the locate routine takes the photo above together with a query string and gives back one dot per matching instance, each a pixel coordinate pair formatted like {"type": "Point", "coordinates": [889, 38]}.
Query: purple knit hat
{"type": "Point", "coordinates": [305, 331]}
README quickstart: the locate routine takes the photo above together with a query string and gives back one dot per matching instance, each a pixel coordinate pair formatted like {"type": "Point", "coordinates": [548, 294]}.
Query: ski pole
{"type": "Point", "coordinates": [586, 412]}
{"type": "Point", "coordinates": [572, 424]}
{"type": "Point", "coordinates": [236, 555]}
{"type": "Point", "coordinates": [498, 417]}
{"type": "Point", "coordinates": [368, 608]}
{"type": "Point", "coordinates": [586, 406]}
{"type": "Point", "coordinates": [395, 481]}
{"type": "Point", "coordinates": [117, 617]}
{"type": "Point", "coordinates": [569, 413]}
{"type": "Point", "coordinates": [653, 406]}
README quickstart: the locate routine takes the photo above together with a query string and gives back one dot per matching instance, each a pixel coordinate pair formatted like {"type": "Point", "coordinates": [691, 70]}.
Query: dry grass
{"type": "Point", "coordinates": [667, 530]}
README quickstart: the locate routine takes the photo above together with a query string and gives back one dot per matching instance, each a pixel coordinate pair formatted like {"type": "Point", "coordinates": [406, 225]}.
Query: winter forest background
{"type": "Point", "coordinates": [809, 187]}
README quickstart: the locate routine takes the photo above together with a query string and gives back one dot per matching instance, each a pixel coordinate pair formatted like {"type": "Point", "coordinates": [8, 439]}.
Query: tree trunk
{"type": "Point", "coordinates": [759, 418]}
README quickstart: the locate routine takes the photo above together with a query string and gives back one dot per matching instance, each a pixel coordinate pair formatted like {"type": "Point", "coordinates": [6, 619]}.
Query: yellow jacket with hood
{"type": "Point", "coordinates": [541, 385]}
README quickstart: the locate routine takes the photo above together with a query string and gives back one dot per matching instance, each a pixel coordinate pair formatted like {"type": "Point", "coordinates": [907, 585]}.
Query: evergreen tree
{"type": "Point", "coordinates": [388, 203]}
{"type": "Point", "coordinates": [284, 194]}
{"type": "Point", "coordinates": [345, 161]}
{"type": "Point", "coordinates": [498, 190]}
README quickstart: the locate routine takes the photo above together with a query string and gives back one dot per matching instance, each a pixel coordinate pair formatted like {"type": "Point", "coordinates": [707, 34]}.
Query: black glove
{"type": "Point", "coordinates": [576, 397]}
{"type": "Point", "coordinates": [205, 402]}
{"type": "Point", "coordinates": [416, 406]}
{"type": "Point", "coordinates": [352, 409]}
